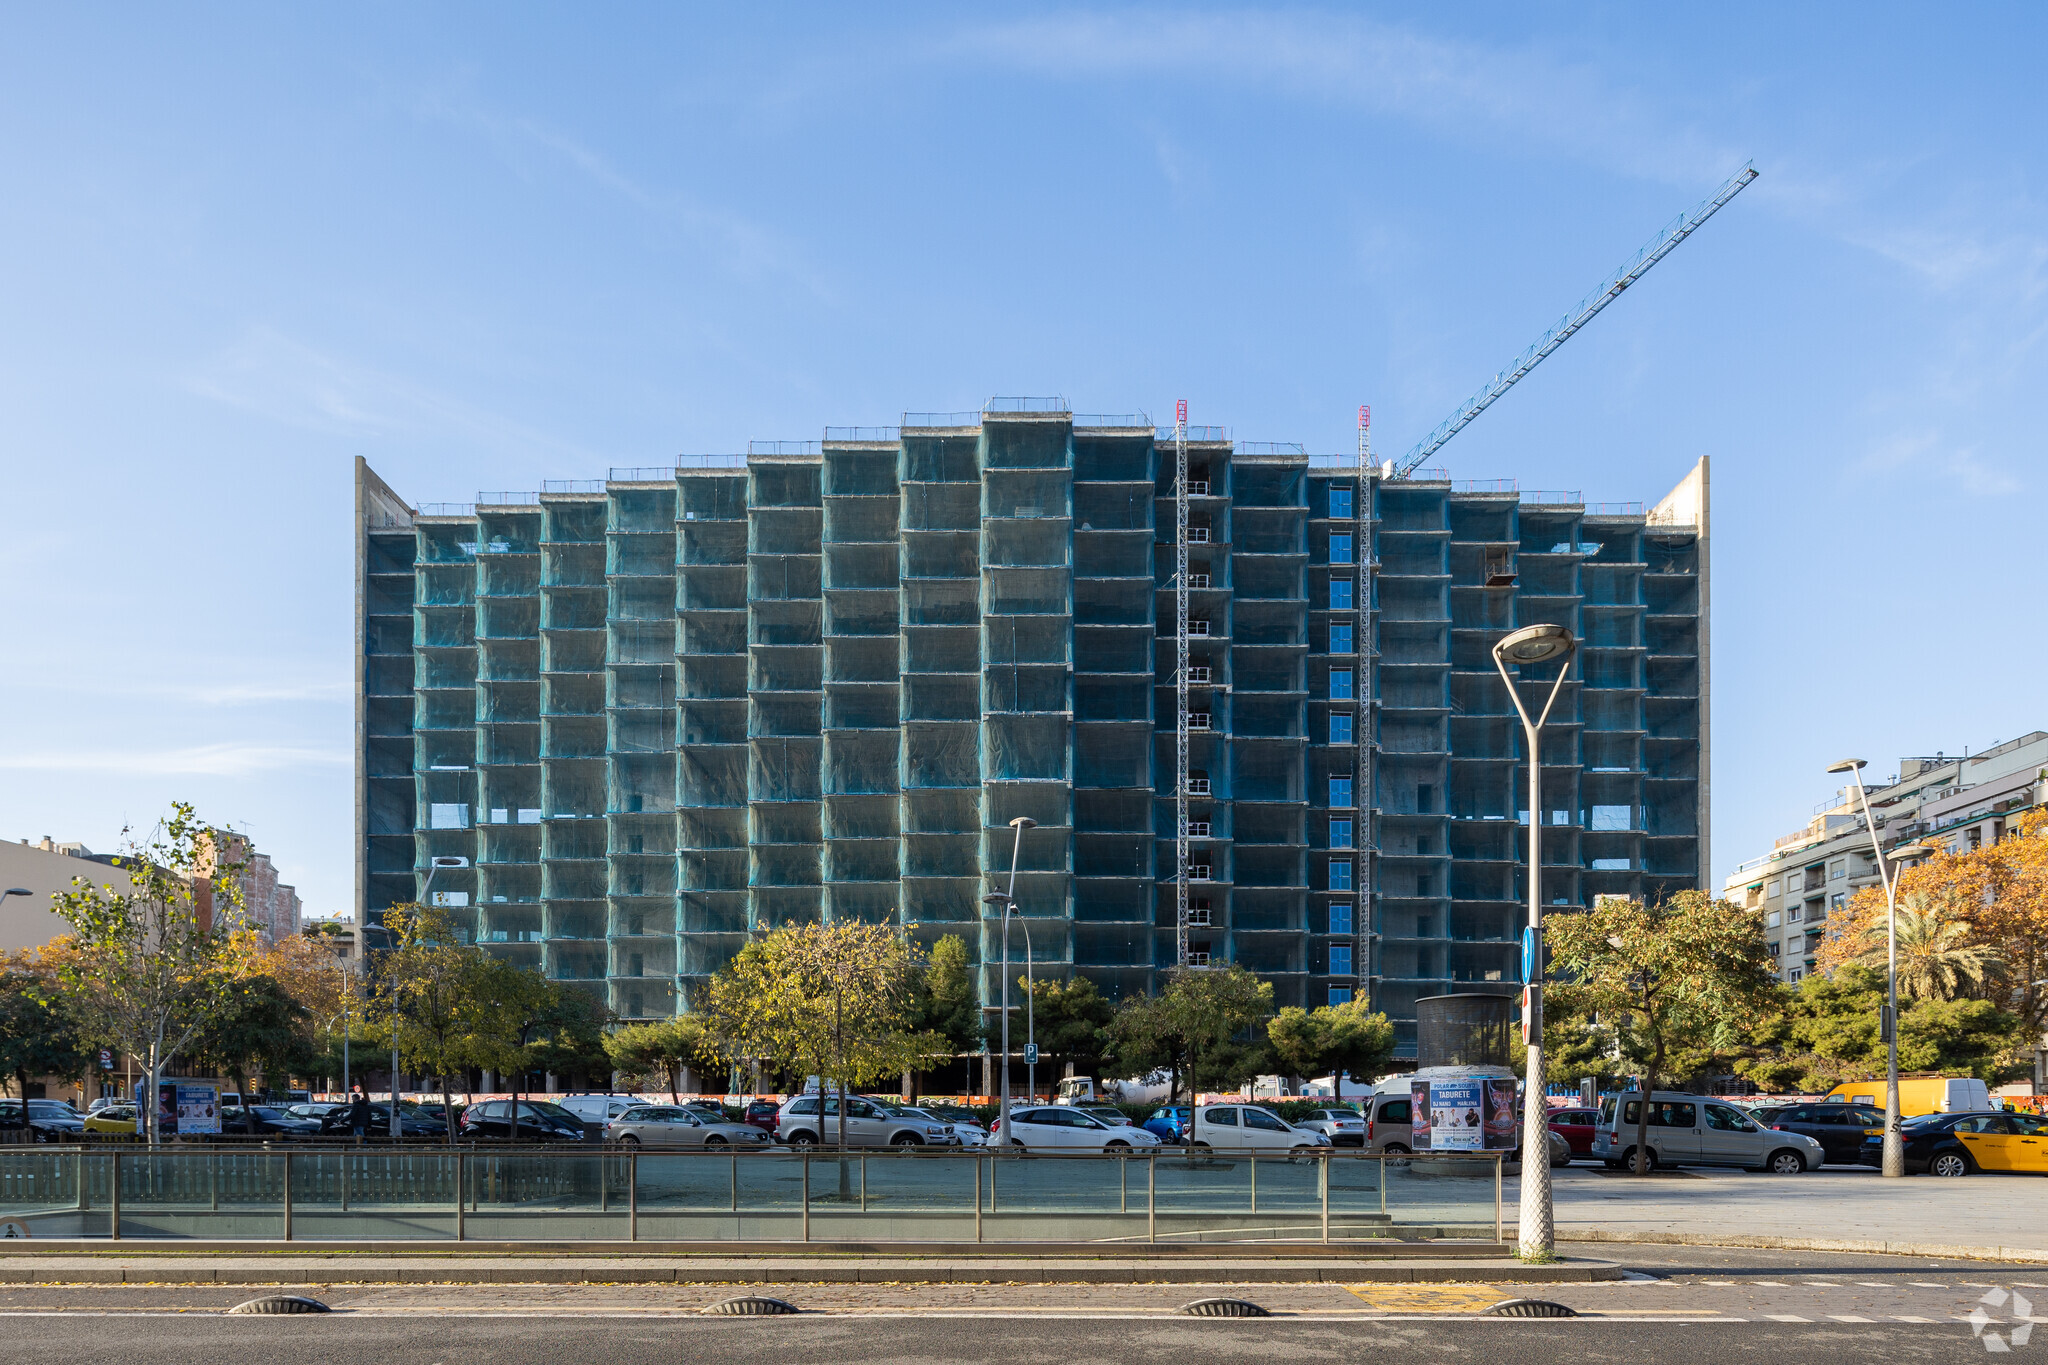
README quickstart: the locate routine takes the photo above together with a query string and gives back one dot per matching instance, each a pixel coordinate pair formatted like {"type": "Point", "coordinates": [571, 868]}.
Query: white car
{"type": "Point", "coordinates": [1249, 1127]}
{"type": "Point", "coordinates": [670, 1125]}
{"type": "Point", "coordinates": [1061, 1126]}
{"type": "Point", "coordinates": [1342, 1125]}
{"type": "Point", "coordinates": [971, 1134]}
{"type": "Point", "coordinates": [1115, 1118]}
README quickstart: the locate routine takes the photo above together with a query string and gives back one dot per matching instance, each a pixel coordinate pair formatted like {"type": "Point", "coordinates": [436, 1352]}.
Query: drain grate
{"type": "Point", "coordinates": [1223, 1308]}
{"type": "Point", "coordinates": [752, 1306]}
{"type": "Point", "coordinates": [1529, 1308]}
{"type": "Point", "coordinates": [281, 1303]}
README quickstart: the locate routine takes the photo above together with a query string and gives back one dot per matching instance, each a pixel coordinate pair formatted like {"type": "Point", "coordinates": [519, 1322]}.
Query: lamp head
{"type": "Point", "coordinates": [1535, 645]}
{"type": "Point", "coordinates": [1023, 822]}
{"type": "Point", "coordinates": [1912, 851]}
{"type": "Point", "coordinates": [996, 899]}
{"type": "Point", "coordinates": [15, 891]}
{"type": "Point", "coordinates": [1847, 765]}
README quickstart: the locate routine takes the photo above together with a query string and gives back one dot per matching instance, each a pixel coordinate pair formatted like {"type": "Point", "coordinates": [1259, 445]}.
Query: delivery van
{"type": "Point", "coordinates": [1921, 1095]}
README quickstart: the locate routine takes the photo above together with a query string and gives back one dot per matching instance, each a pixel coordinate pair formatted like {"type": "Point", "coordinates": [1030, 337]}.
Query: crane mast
{"type": "Point", "coordinates": [1655, 250]}
{"type": "Point", "coordinates": [1180, 680]}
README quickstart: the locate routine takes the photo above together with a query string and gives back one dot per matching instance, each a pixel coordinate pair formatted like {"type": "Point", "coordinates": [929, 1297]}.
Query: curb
{"type": "Point", "coordinates": [1943, 1250]}
{"type": "Point", "coordinates": [1576, 1271]}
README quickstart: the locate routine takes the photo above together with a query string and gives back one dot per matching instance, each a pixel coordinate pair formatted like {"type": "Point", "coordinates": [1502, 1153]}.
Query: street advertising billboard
{"type": "Point", "coordinates": [198, 1110]}
{"type": "Point", "coordinates": [1463, 1114]}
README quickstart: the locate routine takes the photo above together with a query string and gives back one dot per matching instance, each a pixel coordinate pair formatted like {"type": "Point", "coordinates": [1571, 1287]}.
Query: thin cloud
{"type": "Point", "coordinates": [276, 376]}
{"type": "Point", "coordinates": [1927, 452]}
{"type": "Point", "coordinates": [205, 760]}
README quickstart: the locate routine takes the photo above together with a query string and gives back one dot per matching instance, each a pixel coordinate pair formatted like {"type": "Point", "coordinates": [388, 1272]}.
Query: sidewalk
{"type": "Point", "coordinates": [1833, 1209]}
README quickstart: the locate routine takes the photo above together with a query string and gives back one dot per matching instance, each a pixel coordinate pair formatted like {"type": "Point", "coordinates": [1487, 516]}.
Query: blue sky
{"type": "Point", "coordinates": [487, 245]}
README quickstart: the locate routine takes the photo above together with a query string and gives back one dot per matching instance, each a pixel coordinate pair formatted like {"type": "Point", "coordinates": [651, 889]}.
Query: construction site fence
{"type": "Point", "coordinates": [904, 1194]}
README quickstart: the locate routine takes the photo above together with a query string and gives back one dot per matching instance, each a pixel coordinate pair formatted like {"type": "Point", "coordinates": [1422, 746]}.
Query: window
{"type": "Point", "coordinates": [1773, 946]}
{"type": "Point", "coordinates": [1340, 639]}
{"type": "Point", "coordinates": [1340, 874]}
{"type": "Point", "coordinates": [1397, 1111]}
{"type": "Point", "coordinates": [1340, 594]}
{"type": "Point", "coordinates": [1340, 792]}
{"type": "Point", "coordinates": [1263, 1121]}
{"type": "Point", "coordinates": [1838, 869]}
{"type": "Point", "coordinates": [1340, 995]}
{"type": "Point", "coordinates": [1837, 901]}
{"type": "Point", "coordinates": [1771, 889]}
{"type": "Point", "coordinates": [1340, 959]}
{"type": "Point", "coordinates": [1340, 728]}
{"type": "Point", "coordinates": [1773, 920]}
{"type": "Point", "coordinates": [1340, 549]}
{"type": "Point", "coordinates": [1340, 917]}
{"type": "Point", "coordinates": [1222, 1118]}
{"type": "Point", "coordinates": [1340, 834]}
{"type": "Point", "coordinates": [1792, 914]}
{"type": "Point", "coordinates": [1340, 684]}
{"type": "Point", "coordinates": [1796, 974]}
{"type": "Point", "coordinates": [1728, 1120]}
{"type": "Point", "coordinates": [1340, 502]}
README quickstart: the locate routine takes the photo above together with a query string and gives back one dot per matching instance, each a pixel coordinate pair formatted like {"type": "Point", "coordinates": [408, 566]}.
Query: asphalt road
{"type": "Point", "coordinates": [473, 1341]}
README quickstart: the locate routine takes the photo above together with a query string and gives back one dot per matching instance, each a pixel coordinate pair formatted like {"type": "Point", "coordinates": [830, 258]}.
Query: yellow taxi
{"type": "Point", "coordinates": [115, 1118]}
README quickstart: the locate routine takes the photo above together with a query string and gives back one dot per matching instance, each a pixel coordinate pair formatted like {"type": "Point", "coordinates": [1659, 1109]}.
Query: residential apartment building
{"type": "Point", "coordinates": [647, 716]}
{"type": "Point", "coordinates": [1958, 803]}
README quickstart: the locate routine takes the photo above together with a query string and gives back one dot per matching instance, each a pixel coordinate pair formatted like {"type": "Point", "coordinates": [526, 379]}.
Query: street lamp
{"type": "Point", "coordinates": [1008, 901]}
{"type": "Point", "coordinates": [1894, 1142]}
{"type": "Point", "coordinates": [1527, 647]}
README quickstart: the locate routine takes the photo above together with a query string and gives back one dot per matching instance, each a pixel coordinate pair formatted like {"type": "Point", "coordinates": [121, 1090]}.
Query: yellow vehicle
{"type": "Point", "coordinates": [1920, 1095]}
{"type": "Point", "coordinates": [115, 1118]}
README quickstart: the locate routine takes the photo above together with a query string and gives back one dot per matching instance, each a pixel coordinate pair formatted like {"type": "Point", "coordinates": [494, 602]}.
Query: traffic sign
{"type": "Point", "coordinates": [106, 1059]}
{"type": "Point", "coordinates": [1031, 1054]}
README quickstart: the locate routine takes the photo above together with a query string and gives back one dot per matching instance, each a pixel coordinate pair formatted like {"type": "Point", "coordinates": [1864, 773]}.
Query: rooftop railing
{"type": "Point", "coordinates": [508, 499]}
{"type": "Point", "coordinates": [863, 433]}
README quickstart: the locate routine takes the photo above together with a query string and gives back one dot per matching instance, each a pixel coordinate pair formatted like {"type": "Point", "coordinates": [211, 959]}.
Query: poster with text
{"type": "Point", "coordinates": [1457, 1114]}
{"type": "Point", "coordinates": [1418, 1110]}
{"type": "Point", "coordinates": [198, 1110]}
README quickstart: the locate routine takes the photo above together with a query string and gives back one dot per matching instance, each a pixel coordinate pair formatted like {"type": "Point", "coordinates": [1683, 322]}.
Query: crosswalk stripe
{"type": "Point", "coordinates": [1847, 1317]}
{"type": "Point", "coordinates": [1903, 1318]}
{"type": "Point", "coordinates": [1785, 1317]}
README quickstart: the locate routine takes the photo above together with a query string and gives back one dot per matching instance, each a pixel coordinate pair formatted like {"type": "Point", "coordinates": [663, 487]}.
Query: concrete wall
{"type": "Point", "coordinates": [29, 922]}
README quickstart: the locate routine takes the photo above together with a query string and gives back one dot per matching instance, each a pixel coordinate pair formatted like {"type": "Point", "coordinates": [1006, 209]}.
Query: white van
{"type": "Point", "coordinates": [1697, 1130]}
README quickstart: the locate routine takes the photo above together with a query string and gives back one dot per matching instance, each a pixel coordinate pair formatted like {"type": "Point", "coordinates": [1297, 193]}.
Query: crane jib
{"type": "Point", "coordinates": [1656, 250]}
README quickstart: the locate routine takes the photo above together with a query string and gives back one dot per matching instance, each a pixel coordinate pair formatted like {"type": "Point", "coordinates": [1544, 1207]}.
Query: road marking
{"type": "Point", "coordinates": [1771, 1284]}
{"type": "Point", "coordinates": [1785, 1317]}
{"type": "Point", "coordinates": [1847, 1317]}
{"type": "Point", "coordinates": [1823, 1284]}
{"type": "Point", "coordinates": [1903, 1318]}
{"type": "Point", "coordinates": [1925, 1284]}
{"type": "Point", "coordinates": [1871, 1284]}
{"type": "Point", "coordinates": [1453, 1298]}
{"type": "Point", "coordinates": [1719, 1282]}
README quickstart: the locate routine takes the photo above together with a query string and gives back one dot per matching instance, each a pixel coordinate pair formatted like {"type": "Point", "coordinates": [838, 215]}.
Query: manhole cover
{"type": "Point", "coordinates": [1529, 1308]}
{"type": "Point", "coordinates": [1223, 1308]}
{"type": "Point", "coordinates": [751, 1306]}
{"type": "Point", "coordinates": [281, 1303]}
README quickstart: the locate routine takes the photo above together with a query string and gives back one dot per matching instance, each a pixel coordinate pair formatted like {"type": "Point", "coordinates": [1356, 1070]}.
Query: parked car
{"type": "Point", "coordinates": [1069, 1128]}
{"type": "Point", "coordinates": [411, 1122]}
{"type": "Point", "coordinates": [1839, 1128]}
{"type": "Point", "coordinates": [112, 1118]}
{"type": "Point", "coordinates": [1390, 1128]}
{"type": "Point", "coordinates": [1575, 1126]}
{"type": "Point", "coordinates": [675, 1125]}
{"type": "Point", "coordinates": [539, 1121]}
{"type": "Point", "coordinates": [1963, 1144]}
{"type": "Point", "coordinates": [48, 1120]}
{"type": "Point", "coordinates": [1115, 1118]}
{"type": "Point", "coordinates": [761, 1113]}
{"type": "Point", "coordinates": [810, 1119]}
{"type": "Point", "coordinates": [1341, 1124]}
{"type": "Point", "coordinates": [1698, 1130]}
{"type": "Point", "coordinates": [1169, 1123]}
{"type": "Point", "coordinates": [598, 1110]}
{"type": "Point", "coordinates": [1251, 1127]}
{"type": "Point", "coordinates": [1920, 1095]}
{"type": "Point", "coordinates": [710, 1109]}
{"type": "Point", "coordinates": [270, 1120]}
{"type": "Point", "coordinates": [966, 1123]}
{"type": "Point", "coordinates": [314, 1109]}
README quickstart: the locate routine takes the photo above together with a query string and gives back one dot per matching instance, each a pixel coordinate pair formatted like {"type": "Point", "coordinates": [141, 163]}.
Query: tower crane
{"type": "Point", "coordinates": [1655, 250]}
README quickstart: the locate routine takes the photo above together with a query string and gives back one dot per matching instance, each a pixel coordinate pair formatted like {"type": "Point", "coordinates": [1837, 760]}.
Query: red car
{"type": "Point", "coordinates": [1575, 1126]}
{"type": "Point", "coordinates": [762, 1114]}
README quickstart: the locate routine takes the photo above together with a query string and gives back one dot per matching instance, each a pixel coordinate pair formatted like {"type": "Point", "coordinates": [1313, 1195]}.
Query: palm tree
{"type": "Point", "coordinates": [1936, 957]}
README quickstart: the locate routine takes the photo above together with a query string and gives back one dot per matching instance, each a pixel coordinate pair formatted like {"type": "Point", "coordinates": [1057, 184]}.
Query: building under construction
{"type": "Point", "coordinates": [639, 719]}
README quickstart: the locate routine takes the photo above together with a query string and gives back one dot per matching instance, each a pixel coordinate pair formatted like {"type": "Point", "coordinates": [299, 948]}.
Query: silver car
{"type": "Point", "coordinates": [669, 1125]}
{"type": "Point", "coordinates": [869, 1123]}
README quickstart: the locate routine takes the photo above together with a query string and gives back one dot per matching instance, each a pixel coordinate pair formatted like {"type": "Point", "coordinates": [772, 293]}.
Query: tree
{"type": "Point", "coordinates": [1070, 1020]}
{"type": "Point", "coordinates": [256, 1021]}
{"type": "Point", "coordinates": [427, 1009]}
{"type": "Point", "coordinates": [945, 1000]}
{"type": "Point", "coordinates": [517, 1020]}
{"type": "Point", "coordinates": [39, 1034]}
{"type": "Point", "coordinates": [668, 1045]}
{"type": "Point", "coordinates": [1940, 954]}
{"type": "Point", "coordinates": [1683, 973]}
{"type": "Point", "coordinates": [1825, 1032]}
{"type": "Point", "coordinates": [834, 1001]}
{"type": "Point", "coordinates": [149, 964]}
{"type": "Point", "coordinates": [1206, 1025]}
{"type": "Point", "coordinates": [1337, 1038]}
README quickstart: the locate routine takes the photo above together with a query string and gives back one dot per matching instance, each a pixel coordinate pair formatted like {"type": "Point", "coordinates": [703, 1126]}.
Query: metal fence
{"type": "Point", "coordinates": [897, 1195]}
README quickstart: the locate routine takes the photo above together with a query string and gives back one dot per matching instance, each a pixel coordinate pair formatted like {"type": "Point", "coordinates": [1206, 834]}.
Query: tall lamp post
{"type": "Point", "coordinates": [1007, 901]}
{"type": "Point", "coordinates": [1894, 1142]}
{"type": "Point", "coordinates": [1525, 648]}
